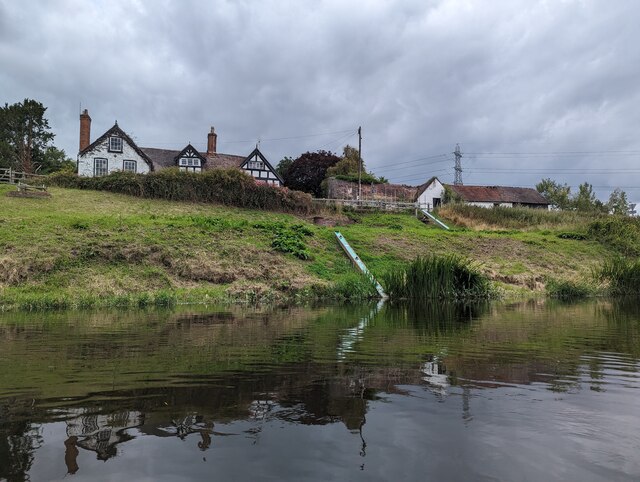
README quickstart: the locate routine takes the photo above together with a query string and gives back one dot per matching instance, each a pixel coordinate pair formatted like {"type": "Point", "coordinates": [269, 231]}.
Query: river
{"type": "Point", "coordinates": [533, 391]}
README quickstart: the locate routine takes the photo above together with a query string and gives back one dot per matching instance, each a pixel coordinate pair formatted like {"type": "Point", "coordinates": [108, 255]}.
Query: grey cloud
{"type": "Point", "coordinates": [500, 76]}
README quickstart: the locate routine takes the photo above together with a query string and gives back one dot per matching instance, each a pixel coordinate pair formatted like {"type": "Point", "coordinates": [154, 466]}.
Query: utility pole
{"type": "Point", "coordinates": [359, 163]}
{"type": "Point", "coordinates": [458, 168]}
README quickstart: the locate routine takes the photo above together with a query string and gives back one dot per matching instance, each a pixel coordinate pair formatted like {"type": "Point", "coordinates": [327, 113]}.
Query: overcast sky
{"type": "Point", "coordinates": [530, 89]}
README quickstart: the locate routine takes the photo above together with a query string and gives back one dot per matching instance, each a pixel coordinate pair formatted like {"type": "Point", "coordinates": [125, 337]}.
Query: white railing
{"type": "Point", "coordinates": [379, 204]}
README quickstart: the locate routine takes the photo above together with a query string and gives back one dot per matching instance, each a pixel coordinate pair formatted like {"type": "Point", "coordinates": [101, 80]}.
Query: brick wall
{"type": "Point", "coordinates": [339, 189]}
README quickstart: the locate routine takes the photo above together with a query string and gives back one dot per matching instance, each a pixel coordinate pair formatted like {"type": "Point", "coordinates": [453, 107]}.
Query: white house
{"type": "Point", "coordinates": [431, 194]}
{"type": "Point", "coordinates": [116, 151]}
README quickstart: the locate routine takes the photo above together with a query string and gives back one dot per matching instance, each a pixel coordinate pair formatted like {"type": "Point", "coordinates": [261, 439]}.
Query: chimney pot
{"type": "Point", "coordinates": [212, 141]}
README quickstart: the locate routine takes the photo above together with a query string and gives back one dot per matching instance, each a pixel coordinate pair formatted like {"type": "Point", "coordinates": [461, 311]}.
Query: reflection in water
{"type": "Point", "coordinates": [445, 378]}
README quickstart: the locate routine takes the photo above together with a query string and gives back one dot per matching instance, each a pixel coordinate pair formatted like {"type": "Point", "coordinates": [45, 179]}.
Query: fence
{"type": "Point", "coordinates": [11, 176]}
{"type": "Point", "coordinates": [371, 204]}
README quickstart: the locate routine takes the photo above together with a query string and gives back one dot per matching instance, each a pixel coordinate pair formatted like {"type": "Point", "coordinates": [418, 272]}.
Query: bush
{"type": "Point", "coordinates": [230, 187]}
{"type": "Point", "coordinates": [434, 277]}
{"type": "Point", "coordinates": [622, 274]}
{"type": "Point", "coordinates": [618, 232]}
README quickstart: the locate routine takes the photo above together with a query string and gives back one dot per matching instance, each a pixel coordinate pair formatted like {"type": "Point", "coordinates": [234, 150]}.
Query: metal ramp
{"type": "Point", "coordinates": [359, 264]}
{"type": "Point", "coordinates": [434, 219]}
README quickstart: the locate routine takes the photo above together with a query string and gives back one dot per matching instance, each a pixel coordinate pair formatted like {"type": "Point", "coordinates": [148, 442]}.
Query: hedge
{"type": "Point", "coordinates": [230, 187]}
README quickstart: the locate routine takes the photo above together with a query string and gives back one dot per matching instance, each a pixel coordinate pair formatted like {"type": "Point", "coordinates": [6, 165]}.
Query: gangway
{"type": "Point", "coordinates": [359, 264]}
{"type": "Point", "coordinates": [434, 219]}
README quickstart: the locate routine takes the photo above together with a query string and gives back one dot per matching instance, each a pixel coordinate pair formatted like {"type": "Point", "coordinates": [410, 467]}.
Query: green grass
{"type": "Point", "coordinates": [93, 248]}
{"type": "Point", "coordinates": [622, 275]}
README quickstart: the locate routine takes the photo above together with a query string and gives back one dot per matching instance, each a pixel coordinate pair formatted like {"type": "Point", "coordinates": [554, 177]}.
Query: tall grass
{"type": "Point", "coordinates": [437, 277]}
{"type": "Point", "coordinates": [222, 186]}
{"type": "Point", "coordinates": [512, 218]}
{"type": "Point", "coordinates": [622, 275]}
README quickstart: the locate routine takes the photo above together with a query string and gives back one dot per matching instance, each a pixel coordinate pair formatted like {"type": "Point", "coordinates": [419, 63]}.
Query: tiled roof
{"type": "Point", "coordinates": [498, 194]}
{"type": "Point", "coordinates": [162, 158]}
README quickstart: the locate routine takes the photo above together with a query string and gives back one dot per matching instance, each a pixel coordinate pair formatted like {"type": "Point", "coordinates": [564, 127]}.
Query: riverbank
{"type": "Point", "coordinates": [88, 248]}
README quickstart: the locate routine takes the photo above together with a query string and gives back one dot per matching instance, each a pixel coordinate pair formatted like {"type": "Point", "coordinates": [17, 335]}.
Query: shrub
{"type": "Point", "coordinates": [223, 186]}
{"type": "Point", "coordinates": [622, 274]}
{"type": "Point", "coordinates": [434, 277]}
{"type": "Point", "coordinates": [618, 232]}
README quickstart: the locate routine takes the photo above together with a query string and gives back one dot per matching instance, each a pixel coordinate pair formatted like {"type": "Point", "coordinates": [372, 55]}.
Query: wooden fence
{"type": "Point", "coordinates": [11, 176]}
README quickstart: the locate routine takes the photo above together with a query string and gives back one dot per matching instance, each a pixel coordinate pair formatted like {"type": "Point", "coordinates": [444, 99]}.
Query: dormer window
{"type": "Point", "coordinates": [190, 164]}
{"type": "Point", "coordinates": [115, 144]}
{"type": "Point", "coordinates": [255, 165]}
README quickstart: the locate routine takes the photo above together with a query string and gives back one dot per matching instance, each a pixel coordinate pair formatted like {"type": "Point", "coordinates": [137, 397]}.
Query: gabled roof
{"type": "Point", "coordinates": [256, 153]}
{"type": "Point", "coordinates": [421, 188]}
{"type": "Point", "coordinates": [187, 149]}
{"type": "Point", "coordinates": [116, 131]}
{"type": "Point", "coordinates": [498, 194]}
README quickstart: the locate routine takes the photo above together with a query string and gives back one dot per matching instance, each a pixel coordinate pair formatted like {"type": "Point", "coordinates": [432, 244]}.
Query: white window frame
{"type": "Point", "coordinates": [259, 165]}
{"type": "Point", "coordinates": [134, 163]}
{"type": "Point", "coordinates": [115, 144]}
{"type": "Point", "coordinates": [189, 162]}
{"type": "Point", "coordinates": [97, 170]}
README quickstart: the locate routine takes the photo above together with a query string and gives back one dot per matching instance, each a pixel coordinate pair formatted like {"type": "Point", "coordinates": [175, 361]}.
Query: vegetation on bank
{"type": "Point", "coordinates": [229, 187]}
{"type": "Point", "coordinates": [83, 247]}
{"type": "Point", "coordinates": [437, 278]}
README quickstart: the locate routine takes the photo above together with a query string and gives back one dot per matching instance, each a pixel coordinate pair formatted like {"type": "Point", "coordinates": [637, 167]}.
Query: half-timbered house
{"type": "Point", "coordinates": [116, 151]}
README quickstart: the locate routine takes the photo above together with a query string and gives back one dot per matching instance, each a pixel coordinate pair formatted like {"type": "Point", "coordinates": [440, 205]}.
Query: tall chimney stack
{"type": "Point", "coordinates": [212, 140]}
{"type": "Point", "coordinates": [85, 130]}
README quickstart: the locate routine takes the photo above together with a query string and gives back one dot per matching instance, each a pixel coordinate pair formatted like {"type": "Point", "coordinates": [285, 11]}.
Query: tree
{"type": "Point", "coordinates": [348, 164]}
{"type": "Point", "coordinates": [618, 203]}
{"type": "Point", "coordinates": [55, 160]}
{"type": "Point", "coordinates": [585, 200]}
{"type": "Point", "coordinates": [24, 134]}
{"type": "Point", "coordinates": [557, 194]}
{"type": "Point", "coordinates": [283, 166]}
{"type": "Point", "coordinates": [308, 171]}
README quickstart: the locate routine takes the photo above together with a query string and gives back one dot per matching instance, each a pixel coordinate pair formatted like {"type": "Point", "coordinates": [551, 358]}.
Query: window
{"type": "Point", "coordinates": [129, 166]}
{"type": "Point", "coordinates": [115, 144]}
{"type": "Point", "coordinates": [190, 164]}
{"type": "Point", "coordinates": [100, 167]}
{"type": "Point", "coordinates": [189, 161]}
{"type": "Point", "coordinates": [255, 165]}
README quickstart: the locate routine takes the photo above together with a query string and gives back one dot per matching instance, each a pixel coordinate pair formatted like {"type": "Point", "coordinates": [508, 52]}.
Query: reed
{"type": "Point", "coordinates": [448, 277]}
{"type": "Point", "coordinates": [569, 290]}
{"type": "Point", "coordinates": [621, 274]}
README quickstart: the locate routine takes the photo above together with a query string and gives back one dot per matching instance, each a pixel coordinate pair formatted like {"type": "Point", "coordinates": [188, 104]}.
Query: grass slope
{"type": "Point", "coordinates": [85, 248]}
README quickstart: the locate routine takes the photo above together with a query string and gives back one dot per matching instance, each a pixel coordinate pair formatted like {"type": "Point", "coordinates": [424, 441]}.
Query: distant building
{"type": "Point", "coordinates": [116, 151]}
{"type": "Point", "coordinates": [432, 194]}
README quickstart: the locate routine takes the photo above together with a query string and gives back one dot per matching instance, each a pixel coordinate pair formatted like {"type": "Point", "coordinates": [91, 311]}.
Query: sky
{"type": "Point", "coordinates": [529, 89]}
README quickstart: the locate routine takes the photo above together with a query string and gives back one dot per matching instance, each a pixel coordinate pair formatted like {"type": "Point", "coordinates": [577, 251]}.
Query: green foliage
{"type": "Point", "coordinates": [618, 203]}
{"type": "Point", "coordinates": [288, 238]}
{"type": "Point", "coordinates": [55, 160]}
{"type": "Point", "coordinates": [585, 200]}
{"type": "Point", "coordinates": [557, 194]}
{"type": "Point", "coordinates": [572, 235]}
{"type": "Point", "coordinates": [351, 168]}
{"type": "Point", "coordinates": [308, 171]}
{"type": "Point", "coordinates": [569, 290]}
{"type": "Point", "coordinates": [221, 186]}
{"type": "Point", "coordinates": [514, 218]}
{"type": "Point", "coordinates": [354, 287]}
{"type": "Point", "coordinates": [437, 277]}
{"type": "Point", "coordinates": [284, 165]}
{"type": "Point", "coordinates": [621, 233]}
{"type": "Point", "coordinates": [24, 135]}
{"type": "Point", "coordinates": [622, 275]}
{"type": "Point", "coordinates": [450, 196]}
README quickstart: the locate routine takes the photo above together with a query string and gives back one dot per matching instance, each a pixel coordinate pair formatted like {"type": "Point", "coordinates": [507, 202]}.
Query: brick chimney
{"type": "Point", "coordinates": [85, 130]}
{"type": "Point", "coordinates": [212, 140]}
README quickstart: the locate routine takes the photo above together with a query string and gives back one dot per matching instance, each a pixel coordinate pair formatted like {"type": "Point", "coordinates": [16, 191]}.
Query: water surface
{"type": "Point", "coordinates": [531, 391]}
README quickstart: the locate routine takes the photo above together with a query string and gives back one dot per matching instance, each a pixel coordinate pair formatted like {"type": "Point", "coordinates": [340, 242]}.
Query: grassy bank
{"type": "Point", "coordinates": [91, 248]}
